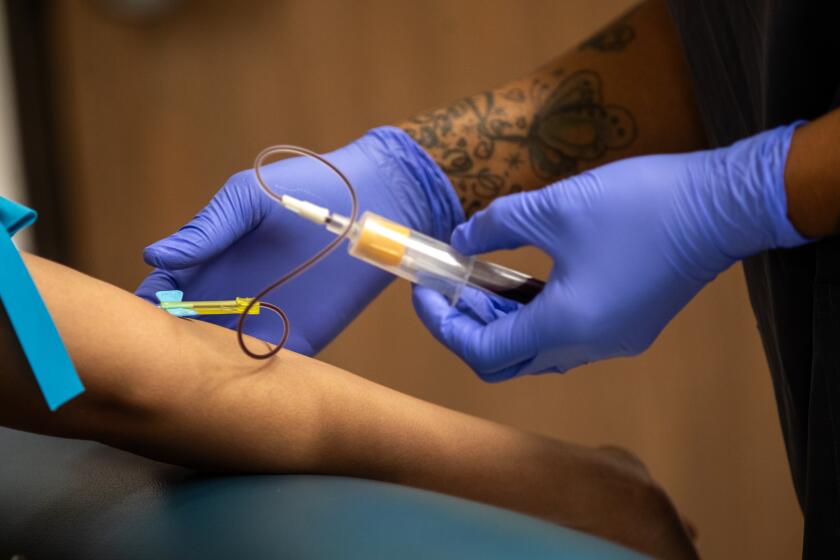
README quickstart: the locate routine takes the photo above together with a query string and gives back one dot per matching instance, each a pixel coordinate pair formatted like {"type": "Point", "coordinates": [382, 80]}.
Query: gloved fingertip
{"type": "Point", "coordinates": [158, 280]}
{"type": "Point", "coordinates": [180, 250]}
{"type": "Point", "coordinates": [152, 256]}
{"type": "Point", "coordinates": [459, 238]}
{"type": "Point", "coordinates": [485, 308]}
{"type": "Point", "coordinates": [423, 293]}
{"type": "Point", "coordinates": [430, 305]}
{"type": "Point", "coordinates": [491, 229]}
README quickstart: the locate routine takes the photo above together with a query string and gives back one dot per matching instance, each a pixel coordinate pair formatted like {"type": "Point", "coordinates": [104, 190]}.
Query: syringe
{"type": "Point", "coordinates": [418, 258]}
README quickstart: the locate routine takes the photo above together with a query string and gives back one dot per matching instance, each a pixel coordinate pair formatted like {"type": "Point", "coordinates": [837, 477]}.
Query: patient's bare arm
{"type": "Point", "coordinates": [183, 392]}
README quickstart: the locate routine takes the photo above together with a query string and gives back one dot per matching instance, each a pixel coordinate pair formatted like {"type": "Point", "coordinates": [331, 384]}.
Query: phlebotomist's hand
{"type": "Point", "coordinates": [632, 243]}
{"type": "Point", "coordinates": [242, 240]}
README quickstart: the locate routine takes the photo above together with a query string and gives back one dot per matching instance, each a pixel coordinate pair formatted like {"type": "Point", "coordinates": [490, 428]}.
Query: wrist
{"type": "Point", "coordinates": [416, 184]}
{"type": "Point", "coordinates": [812, 177]}
{"type": "Point", "coordinates": [747, 202]}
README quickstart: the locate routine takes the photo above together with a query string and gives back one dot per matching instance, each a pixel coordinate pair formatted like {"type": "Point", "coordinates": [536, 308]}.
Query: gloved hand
{"type": "Point", "coordinates": [243, 240]}
{"type": "Point", "coordinates": [632, 243]}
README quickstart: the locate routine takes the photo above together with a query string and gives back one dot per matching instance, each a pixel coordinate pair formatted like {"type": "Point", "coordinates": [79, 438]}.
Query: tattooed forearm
{"type": "Point", "coordinates": [476, 144]}
{"type": "Point", "coordinates": [614, 38]}
{"type": "Point", "coordinates": [504, 141]}
{"type": "Point", "coordinates": [584, 109]}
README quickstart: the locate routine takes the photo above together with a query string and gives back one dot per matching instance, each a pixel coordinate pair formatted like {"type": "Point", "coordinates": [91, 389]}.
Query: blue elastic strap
{"type": "Point", "coordinates": [35, 329]}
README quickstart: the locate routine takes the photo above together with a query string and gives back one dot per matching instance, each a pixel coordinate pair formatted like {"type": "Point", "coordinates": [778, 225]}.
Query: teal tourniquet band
{"type": "Point", "coordinates": [28, 315]}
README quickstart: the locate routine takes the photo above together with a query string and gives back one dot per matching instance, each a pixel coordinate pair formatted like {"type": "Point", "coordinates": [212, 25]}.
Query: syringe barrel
{"type": "Point", "coordinates": [411, 255]}
{"type": "Point", "coordinates": [424, 260]}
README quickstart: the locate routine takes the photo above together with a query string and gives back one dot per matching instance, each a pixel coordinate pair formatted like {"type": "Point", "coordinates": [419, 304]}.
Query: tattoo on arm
{"type": "Point", "coordinates": [614, 38]}
{"type": "Point", "coordinates": [486, 143]}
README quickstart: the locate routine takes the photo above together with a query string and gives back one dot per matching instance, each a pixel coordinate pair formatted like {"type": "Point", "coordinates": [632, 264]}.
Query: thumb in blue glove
{"type": "Point", "coordinates": [632, 243]}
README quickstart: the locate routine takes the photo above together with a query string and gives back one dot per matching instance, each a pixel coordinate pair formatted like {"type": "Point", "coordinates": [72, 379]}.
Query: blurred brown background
{"type": "Point", "coordinates": [154, 113]}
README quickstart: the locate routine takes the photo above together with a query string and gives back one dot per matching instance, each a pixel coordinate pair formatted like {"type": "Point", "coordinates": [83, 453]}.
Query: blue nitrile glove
{"type": "Point", "coordinates": [632, 243]}
{"type": "Point", "coordinates": [243, 240]}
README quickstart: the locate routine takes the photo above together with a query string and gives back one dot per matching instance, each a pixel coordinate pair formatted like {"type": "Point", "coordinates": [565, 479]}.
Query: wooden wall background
{"type": "Point", "coordinates": [155, 115]}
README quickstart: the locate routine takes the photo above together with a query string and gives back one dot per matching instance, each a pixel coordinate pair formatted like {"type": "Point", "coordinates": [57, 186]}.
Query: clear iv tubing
{"type": "Point", "coordinates": [327, 249]}
{"type": "Point", "coordinates": [389, 246]}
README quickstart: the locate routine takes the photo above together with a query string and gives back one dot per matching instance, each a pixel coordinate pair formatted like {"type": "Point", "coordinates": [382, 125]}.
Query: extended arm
{"type": "Point", "coordinates": [623, 92]}
{"type": "Point", "coordinates": [183, 392]}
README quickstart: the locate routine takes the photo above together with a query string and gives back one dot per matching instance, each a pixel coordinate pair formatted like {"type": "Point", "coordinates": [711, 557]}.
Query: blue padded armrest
{"type": "Point", "coordinates": [67, 499]}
